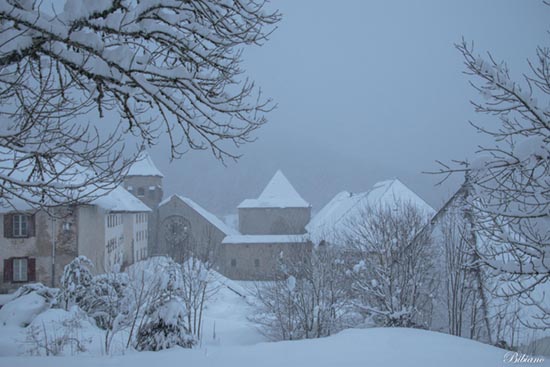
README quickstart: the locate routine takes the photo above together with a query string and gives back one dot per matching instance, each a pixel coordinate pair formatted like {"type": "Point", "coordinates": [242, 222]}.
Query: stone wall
{"type": "Point", "coordinates": [257, 261]}
{"type": "Point", "coordinates": [273, 220]}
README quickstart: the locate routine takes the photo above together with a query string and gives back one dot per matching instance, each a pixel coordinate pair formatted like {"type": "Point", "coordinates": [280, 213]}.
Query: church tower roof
{"type": "Point", "coordinates": [144, 166]}
{"type": "Point", "coordinates": [279, 193]}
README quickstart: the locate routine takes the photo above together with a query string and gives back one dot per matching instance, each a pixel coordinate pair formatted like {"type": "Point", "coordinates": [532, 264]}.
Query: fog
{"type": "Point", "coordinates": [366, 91]}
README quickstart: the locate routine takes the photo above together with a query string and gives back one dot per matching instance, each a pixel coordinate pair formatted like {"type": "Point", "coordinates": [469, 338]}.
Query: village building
{"type": "Point", "coordinates": [271, 226]}
{"type": "Point", "coordinates": [187, 229]}
{"type": "Point", "coordinates": [334, 222]}
{"type": "Point", "coordinates": [144, 181]}
{"type": "Point", "coordinates": [134, 222]}
{"type": "Point", "coordinates": [35, 246]}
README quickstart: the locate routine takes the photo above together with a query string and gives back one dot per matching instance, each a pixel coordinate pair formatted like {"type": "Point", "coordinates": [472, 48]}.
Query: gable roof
{"type": "Point", "coordinates": [120, 200]}
{"type": "Point", "coordinates": [333, 218]}
{"type": "Point", "coordinates": [215, 221]}
{"type": "Point", "coordinates": [144, 166]}
{"type": "Point", "coordinates": [278, 193]}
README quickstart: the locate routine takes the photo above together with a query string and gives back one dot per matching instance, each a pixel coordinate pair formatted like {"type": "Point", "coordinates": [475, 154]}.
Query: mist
{"type": "Point", "coordinates": [365, 91]}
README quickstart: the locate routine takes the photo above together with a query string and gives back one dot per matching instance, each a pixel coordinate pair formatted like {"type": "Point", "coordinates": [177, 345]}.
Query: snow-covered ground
{"type": "Point", "coordinates": [226, 317]}
{"type": "Point", "coordinates": [367, 347]}
{"type": "Point", "coordinates": [229, 339]}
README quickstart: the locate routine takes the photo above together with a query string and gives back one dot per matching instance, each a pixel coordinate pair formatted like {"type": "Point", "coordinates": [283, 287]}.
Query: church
{"type": "Point", "coordinates": [271, 227]}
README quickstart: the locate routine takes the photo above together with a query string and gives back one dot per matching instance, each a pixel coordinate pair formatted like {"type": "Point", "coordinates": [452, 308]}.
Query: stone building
{"type": "Point", "coordinates": [271, 226]}
{"type": "Point", "coordinates": [187, 229]}
{"type": "Point", "coordinates": [36, 246]}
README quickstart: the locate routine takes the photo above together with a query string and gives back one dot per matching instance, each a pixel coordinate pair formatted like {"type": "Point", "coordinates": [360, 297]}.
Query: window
{"type": "Point", "coordinates": [233, 263]}
{"type": "Point", "coordinates": [140, 191]}
{"type": "Point", "coordinates": [19, 270]}
{"type": "Point", "coordinates": [257, 263]}
{"type": "Point", "coordinates": [130, 188]}
{"type": "Point", "coordinates": [114, 220]}
{"type": "Point", "coordinates": [20, 225]}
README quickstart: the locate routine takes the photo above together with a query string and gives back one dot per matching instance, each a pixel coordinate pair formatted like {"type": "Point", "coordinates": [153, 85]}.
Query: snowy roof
{"type": "Point", "coordinates": [144, 166]}
{"type": "Point", "coordinates": [215, 221]}
{"type": "Point", "coordinates": [258, 239]}
{"type": "Point", "coordinates": [69, 185]}
{"type": "Point", "coordinates": [333, 218]}
{"type": "Point", "coordinates": [120, 200]}
{"type": "Point", "coordinates": [279, 193]}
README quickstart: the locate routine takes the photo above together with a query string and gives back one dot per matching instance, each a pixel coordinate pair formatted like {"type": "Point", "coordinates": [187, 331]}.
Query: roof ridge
{"type": "Point", "coordinates": [278, 192]}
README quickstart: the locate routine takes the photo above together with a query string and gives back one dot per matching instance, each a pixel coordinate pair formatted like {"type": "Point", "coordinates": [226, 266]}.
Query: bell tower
{"type": "Point", "coordinates": [144, 181]}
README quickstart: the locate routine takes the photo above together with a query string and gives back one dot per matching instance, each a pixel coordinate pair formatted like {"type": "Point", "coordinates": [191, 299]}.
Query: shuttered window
{"type": "Point", "coordinates": [18, 225]}
{"type": "Point", "coordinates": [19, 269]}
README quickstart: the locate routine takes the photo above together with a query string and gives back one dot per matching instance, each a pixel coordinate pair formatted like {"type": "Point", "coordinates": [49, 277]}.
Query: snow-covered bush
{"type": "Point", "coordinates": [197, 289]}
{"type": "Point", "coordinates": [59, 332]}
{"type": "Point", "coordinates": [50, 294]}
{"type": "Point", "coordinates": [167, 328]}
{"type": "Point", "coordinates": [392, 267]}
{"type": "Point", "coordinates": [310, 301]}
{"type": "Point", "coordinates": [166, 315]}
{"type": "Point", "coordinates": [76, 279]}
{"type": "Point", "coordinates": [106, 298]}
{"type": "Point", "coordinates": [107, 301]}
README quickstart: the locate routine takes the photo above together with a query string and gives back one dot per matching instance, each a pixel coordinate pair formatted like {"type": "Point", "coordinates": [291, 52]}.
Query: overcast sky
{"type": "Point", "coordinates": [366, 91]}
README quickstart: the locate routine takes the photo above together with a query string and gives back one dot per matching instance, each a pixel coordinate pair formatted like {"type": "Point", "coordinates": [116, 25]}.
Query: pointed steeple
{"type": "Point", "coordinates": [144, 166]}
{"type": "Point", "coordinates": [279, 193]}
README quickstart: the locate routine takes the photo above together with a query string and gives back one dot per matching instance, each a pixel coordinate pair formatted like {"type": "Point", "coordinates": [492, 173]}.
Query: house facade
{"type": "Point", "coordinates": [35, 246]}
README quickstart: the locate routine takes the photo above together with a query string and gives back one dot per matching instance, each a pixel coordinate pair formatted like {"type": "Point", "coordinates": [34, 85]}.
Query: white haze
{"type": "Point", "coordinates": [366, 91]}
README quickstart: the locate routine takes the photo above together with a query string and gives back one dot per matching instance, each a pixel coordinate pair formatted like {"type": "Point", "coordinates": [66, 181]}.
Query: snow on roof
{"type": "Point", "coordinates": [332, 219]}
{"type": "Point", "coordinates": [279, 193]}
{"type": "Point", "coordinates": [260, 239]}
{"type": "Point", "coordinates": [144, 166]}
{"type": "Point", "coordinates": [117, 200]}
{"type": "Point", "coordinates": [68, 185]}
{"type": "Point", "coordinates": [215, 221]}
{"type": "Point", "coordinates": [120, 200]}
